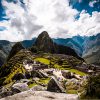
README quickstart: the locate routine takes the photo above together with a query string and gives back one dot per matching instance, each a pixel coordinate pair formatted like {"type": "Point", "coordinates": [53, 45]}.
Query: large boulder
{"type": "Point", "coordinates": [38, 88]}
{"type": "Point", "coordinates": [66, 74]}
{"type": "Point", "coordinates": [41, 95]}
{"type": "Point", "coordinates": [4, 92]}
{"type": "Point", "coordinates": [55, 86]}
{"type": "Point", "coordinates": [19, 87]}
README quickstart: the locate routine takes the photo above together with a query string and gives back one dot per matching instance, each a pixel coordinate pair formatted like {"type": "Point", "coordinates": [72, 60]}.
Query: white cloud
{"type": "Point", "coordinates": [91, 3]}
{"type": "Point", "coordinates": [54, 16]}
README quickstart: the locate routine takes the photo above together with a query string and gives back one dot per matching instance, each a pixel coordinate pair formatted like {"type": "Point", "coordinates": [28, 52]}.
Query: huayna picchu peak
{"type": "Point", "coordinates": [45, 44]}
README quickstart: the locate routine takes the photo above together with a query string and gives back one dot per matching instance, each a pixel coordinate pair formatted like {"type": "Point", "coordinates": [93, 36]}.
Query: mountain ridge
{"type": "Point", "coordinates": [80, 44]}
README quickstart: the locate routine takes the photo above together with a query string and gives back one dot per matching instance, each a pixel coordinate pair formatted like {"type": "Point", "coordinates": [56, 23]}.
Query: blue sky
{"type": "Point", "coordinates": [1, 12]}
{"type": "Point", "coordinates": [84, 4]}
{"type": "Point", "coordinates": [61, 18]}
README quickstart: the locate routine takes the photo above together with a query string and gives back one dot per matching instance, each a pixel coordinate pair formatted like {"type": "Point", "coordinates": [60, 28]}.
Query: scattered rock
{"type": "Point", "coordinates": [24, 80]}
{"type": "Point", "coordinates": [50, 72]}
{"type": "Point", "coordinates": [19, 87]}
{"type": "Point", "coordinates": [78, 77]}
{"type": "Point", "coordinates": [44, 74]}
{"type": "Point", "coordinates": [36, 79]}
{"type": "Point", "coordinates": [66, 74]}
{"type": "Point", "coordinates": [5, 92]}
{"type": "Point", "coordinates": [38, 88]}
{"type": "Point", "coordinates": [35, 73]}
{"type": "Point", "coordinates": [58, 75]}
{"type": "Point", "coordinates": [54, 86]}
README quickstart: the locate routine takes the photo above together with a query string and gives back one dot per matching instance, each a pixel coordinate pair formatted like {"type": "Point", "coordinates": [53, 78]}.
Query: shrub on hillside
{"type": "Point", "coordinates": [18, 76]}
{"type": "Point", "coordinates": [93, 86]}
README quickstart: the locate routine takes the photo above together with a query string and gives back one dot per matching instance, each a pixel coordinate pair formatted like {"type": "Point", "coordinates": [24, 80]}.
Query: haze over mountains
{"type": "Point", "coordinates": [86, 47]}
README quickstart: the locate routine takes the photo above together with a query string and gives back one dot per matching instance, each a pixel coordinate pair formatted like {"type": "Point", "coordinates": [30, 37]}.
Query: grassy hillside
{"type": "Point", "coordinates": [14, 66]}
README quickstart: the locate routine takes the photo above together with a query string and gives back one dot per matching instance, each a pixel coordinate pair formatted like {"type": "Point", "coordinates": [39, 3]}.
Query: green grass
{"type": "Point", "coordinates": [41, 81]}
{"type": "Point", "coordinates": [20, 69]}
{"type": "Point", "coordinates": [46, 61]}
{"type": "Point", "coordinates": [77, 72]}
{"type": "Point", "coordinates": [72, 91]}
{"type": "Point", "coordinates": [32, 85]}
{"type": "Point", "coordinates": [43, 60]}
{"type": "Point", "coordinates": [57, 66]}
{"type": "Point", "coordinates": [44, 80]}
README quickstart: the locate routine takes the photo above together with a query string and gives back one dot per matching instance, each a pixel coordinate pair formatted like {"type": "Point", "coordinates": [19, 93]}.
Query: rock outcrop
{"type": "Point", "coordinates": [41, 95]}
{"type": "Point", "coordinates": [19, 87]}
{"type": "Point", "coordinates": [54, 86]}
{"type": "Point", "coordinates": [16, 48]}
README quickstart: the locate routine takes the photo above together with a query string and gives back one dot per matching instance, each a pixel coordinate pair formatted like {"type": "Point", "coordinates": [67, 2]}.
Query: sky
{"type": "Point", "coordinates": [25, 19]}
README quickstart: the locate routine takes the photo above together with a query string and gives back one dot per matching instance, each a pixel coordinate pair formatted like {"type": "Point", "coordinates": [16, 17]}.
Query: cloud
{"type": "Point", "coordinates": [2, 28]}
{"type": "Point", "coordinates": [91, 3]}
{"type": "Point", "coordinates": [28, 19]}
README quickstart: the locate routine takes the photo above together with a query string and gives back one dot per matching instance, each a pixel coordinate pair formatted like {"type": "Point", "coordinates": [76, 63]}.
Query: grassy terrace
{"type": "Point", "coordinates": [47, 61]}
{"type": "Point", "coordinates": [41, 81]}
{"type": "Point", "coordinates": [43, 60]}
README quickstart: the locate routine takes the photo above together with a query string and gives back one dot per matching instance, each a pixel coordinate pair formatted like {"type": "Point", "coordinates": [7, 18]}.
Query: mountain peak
{"type": "Point", "coordinates": [44, 42]}
{"type": "Point", "coordinates": [44, 34]}
{"type": "Point", "coordinates": [16, 48]}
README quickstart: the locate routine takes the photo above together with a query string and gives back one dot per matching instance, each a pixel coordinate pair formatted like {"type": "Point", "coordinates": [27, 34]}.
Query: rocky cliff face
{"type": "Point", "coordinates": [44, 43]}
{"type": "Point", "coordinates": [92, 49]}
{"type": "Point", "coordinates": [16, 48]}
{"type": "Point", "coordinates": [5, 47]}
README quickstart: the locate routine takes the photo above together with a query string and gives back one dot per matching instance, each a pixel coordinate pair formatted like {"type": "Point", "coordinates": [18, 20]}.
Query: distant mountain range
{"type": "Point", "coordinates": [75, 42]}
{"type": "Point", "coordinates": [86, 47]}
{"type": "Point", "coordinates": [5, 48]}
{"type": "Point", "coordinates": [91, 51]}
